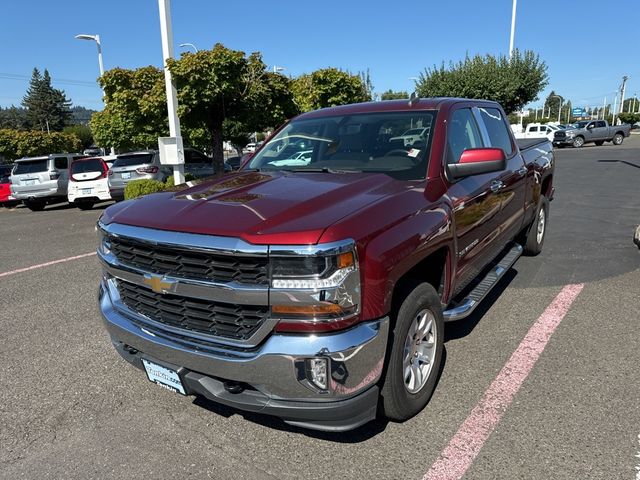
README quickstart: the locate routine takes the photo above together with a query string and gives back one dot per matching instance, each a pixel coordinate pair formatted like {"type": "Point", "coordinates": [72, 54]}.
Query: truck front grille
{"type": "Point", "coordinates": [559, 135]}
{"type": "Point", "coordinates": [186, 263]}
{"type": "Point", "coordinates": [237, 322]}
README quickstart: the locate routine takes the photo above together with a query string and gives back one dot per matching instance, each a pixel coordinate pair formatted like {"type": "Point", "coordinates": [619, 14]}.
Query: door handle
{"type": "Point", "coordinates": [496, 186]}
{"type": "Point", "coordinates": [522, 172]}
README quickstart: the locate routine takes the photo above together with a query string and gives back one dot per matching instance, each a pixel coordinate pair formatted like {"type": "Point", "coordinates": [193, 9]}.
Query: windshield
{"type": "Point", "coordinates": [87, 166]}
{"type": "Point", "coordinates": [34, 166]}
{"type": "Point", "coordinates": [580, 124]}
{"type": "Point", "coordinates": [372, 142]}
{"type": "Point", "coordinates": [131, 160]}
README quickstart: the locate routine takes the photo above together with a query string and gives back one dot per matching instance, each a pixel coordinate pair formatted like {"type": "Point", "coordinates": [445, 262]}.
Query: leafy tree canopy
{"type": "Point", "coordinates": [511, 82]}
{"type": "Point", "coordinates": [393, 95]}
{"type": "Point", "coordinates": [48, 109]}
{"type": "Point", "coordinates": [328, 87]}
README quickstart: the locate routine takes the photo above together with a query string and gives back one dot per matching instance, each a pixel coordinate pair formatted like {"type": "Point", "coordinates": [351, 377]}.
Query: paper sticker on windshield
{"type": "Point", "coordinates": [414, 152]}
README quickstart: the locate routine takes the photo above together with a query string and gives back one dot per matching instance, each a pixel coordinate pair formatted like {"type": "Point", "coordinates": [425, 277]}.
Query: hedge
{"type": "Point", "coordinates": [30, 143]}
{"type": "Point", "coordinates": [138, 188]}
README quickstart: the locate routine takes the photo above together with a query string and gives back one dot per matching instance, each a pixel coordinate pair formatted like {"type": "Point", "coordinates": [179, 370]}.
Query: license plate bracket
{"type": "Point", "coordinates": [164, 376]}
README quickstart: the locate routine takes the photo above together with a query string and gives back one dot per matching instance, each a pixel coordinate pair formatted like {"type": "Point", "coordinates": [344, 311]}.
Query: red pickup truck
{"type": "Point", "coordinates": [315, 283]}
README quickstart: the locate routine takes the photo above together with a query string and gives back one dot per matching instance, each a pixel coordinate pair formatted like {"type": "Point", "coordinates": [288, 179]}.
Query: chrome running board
{"type": "Point", "coordinates": [471, 301]}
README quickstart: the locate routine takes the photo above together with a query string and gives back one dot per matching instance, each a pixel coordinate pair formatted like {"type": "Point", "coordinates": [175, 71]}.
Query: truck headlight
{"type": "Point", "coordinates": [104, 246]}
{"type": "Point", "coordinates": [315, 291]}
{"type": "Point", "coordinates": [570, 134]}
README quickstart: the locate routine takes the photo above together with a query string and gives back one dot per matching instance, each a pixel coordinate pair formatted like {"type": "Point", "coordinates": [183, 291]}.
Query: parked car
{"type": "Point", "coordinates": [6, 199]}
{"type": "Point", "coordinates": [538, 130]}
{"type": "Point", "coordinates": [234, 163]}
{"type": "Point", "coordinates": [319, 293]}
{"type": "Point", "coordinates": [135, 166]}
{"type": "Point", "coordinates": [250, 148]}
{"type": "Point", "coordinates": [413, 135]}
{"type": "Point", "coordinates": [591, 131]}
{"type": "Point", "coordinates": [88, 182]}
{"type": "Point", "coordinates": [199, 165]}
{"type": "Point", "coordinates": [39, 181]}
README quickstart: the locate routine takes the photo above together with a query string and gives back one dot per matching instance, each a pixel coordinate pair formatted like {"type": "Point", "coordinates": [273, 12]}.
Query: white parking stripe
{"type": "Point", "coordinates": [40, 265]}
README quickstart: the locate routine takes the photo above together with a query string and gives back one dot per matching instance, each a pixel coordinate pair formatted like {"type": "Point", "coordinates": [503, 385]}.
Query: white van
{"type": "Point", "coordinates": [88, 182]}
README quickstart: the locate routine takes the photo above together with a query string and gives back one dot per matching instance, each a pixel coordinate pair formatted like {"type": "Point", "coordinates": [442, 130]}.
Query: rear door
{"type": "Point", "coordinates": [476, 207]}
{"type": "Point", "coordinates": [31, 175]}
{"type": "Point", "coordinates": [510, 186]}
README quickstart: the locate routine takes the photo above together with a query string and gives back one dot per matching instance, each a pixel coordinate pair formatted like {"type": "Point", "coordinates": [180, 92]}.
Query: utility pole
{"type": "Point", "coordinates": [622, 89]}
{"type": "Point", "coordinates": [513, 28]}
{"type": "Point", "coordinates": [604, 108]}
{"type": "Point", "coordinates": [176, 155]}
{"type": "Point", "coordinates": [615, 105]}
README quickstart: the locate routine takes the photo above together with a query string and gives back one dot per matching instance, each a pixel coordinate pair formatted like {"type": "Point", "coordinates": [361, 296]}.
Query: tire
{"type": "Point", "coordinates": [599, 143]}
{"type": "Point", "coordinates": [35, 205]}
{"type": "Point", "coordinates": [403, 399]}
{"type": "Point", "coordinates": [537, 229]}
{"type": "Point", "coordinates": [578, 142]}
{"type": "Point", "coordinates": [84, 205]}
{"type": "Point", "coordinates": [617, 139]}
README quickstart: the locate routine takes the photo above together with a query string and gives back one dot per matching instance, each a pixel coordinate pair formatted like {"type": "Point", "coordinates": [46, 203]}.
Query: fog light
{"type": "Point", "coordinates": [317, 369]}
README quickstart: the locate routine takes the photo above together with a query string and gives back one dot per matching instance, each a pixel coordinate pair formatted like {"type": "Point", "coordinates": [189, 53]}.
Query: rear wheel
{"type": "Point", "coordinates": [578, 142]}
{"type": "Point", "coordinates": [538, 228]}
{"type": "Point", "coordinates": [416, 346]}
{"type": "Point", "coordinates": [35, 205]}
{"type": "Point", "coordinates": [599, 143]}
{"type": "Point", "coordinates": [617, 139]}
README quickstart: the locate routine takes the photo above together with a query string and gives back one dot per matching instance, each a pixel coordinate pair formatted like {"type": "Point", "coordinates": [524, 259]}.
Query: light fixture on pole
{"type": "Point", "coordinates": [96, 38]}
{"type": "Point", "coordinates": [277, 69]}
{"type": "Point", "coordinates": [195, 49]}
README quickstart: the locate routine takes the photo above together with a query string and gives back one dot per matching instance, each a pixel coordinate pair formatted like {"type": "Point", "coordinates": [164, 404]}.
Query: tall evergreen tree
{"type": "Point", "coordinates": [48, 108]}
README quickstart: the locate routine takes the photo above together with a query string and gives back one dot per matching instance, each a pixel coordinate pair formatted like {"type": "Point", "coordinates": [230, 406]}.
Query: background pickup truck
{"type": "Point", "coordinates": [319, 293]}
{"type": "Point", "coordinates": [537, 130]}
{"type": "Point", "coordinates": [594, 131]}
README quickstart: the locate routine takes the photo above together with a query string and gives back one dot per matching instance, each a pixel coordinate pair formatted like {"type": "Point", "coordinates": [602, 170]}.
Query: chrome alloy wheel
{"type": "Point", "coordinates": [541, 225]}
{"type": "Point", "coordinates": [578, 142]}
{"type": "Point", "coordinates": [419, 351]}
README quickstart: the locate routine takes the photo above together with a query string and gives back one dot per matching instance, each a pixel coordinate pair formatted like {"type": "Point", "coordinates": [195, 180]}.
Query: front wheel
{"type": "Point", "coordinates": [617, 139]}
{"type": "Point", "coordinates": [578, 142]}
{"type": "Point", "coordinates": [415, 357]}
{"type": "Point", "coordinates": [538, 228]}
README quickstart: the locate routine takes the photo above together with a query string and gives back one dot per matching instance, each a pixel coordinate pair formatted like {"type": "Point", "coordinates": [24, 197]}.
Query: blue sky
{"type": "Point", "coordinates": [588, 45]}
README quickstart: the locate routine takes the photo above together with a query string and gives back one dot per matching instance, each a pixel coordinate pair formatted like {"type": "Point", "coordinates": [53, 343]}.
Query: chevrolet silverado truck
{"type": "Point", "coordinates": [591, 131]}
{"type": "Point", "coordinates": [320, 293]}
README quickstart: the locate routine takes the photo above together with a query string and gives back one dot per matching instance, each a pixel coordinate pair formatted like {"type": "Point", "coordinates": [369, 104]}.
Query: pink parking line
{"type": "Point", "coordinates": [465, 445]}
{"type": "Point", "coordinates": [40, 265]}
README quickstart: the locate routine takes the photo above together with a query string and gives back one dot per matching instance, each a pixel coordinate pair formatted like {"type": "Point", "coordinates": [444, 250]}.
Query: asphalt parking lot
{"type": "Point", "coordinates": [71, 408]}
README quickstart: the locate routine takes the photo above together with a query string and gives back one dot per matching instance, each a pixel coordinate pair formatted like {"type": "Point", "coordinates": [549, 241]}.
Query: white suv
{"type": "Point", "coordinates": [88, 182]}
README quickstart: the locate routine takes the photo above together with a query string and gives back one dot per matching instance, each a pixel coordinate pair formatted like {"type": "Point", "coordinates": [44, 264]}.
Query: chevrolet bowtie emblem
{"type": "Point", "coordinates": [158, 283]}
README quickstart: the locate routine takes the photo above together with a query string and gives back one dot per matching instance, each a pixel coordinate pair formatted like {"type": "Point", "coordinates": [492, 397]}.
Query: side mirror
{"type": "Point", "coordinates": [476, 161]}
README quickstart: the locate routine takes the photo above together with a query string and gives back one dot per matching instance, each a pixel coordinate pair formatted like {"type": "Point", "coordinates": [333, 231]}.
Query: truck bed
{"type": "Point", "coordinates": [526, 143]}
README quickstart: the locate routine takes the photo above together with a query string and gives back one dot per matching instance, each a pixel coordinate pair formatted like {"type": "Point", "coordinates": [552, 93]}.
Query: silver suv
{"type": "Point", "coordinates": [135, 166]}
{"type": "Point", "coordinates": [39, 181]}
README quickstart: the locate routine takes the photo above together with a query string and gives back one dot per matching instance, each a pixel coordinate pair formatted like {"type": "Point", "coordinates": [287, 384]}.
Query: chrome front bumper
{"type": "Point", "coordinates": [272, 372]}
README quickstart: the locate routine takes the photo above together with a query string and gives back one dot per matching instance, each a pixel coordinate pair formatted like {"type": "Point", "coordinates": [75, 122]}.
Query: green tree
{"type": "Point", "coordinates": [16, 144]}
{"type": "Point", "coordinates": [552, 104]}
{"type": "Point", "coordinates": [135, 112]}
{"type": "Point", "coordinates": [328, 87]}
{"type": "Point", "coordinates": [511, 82]}
{"type": "Point", "coordinates": [219, 84]}
{"type": "Point", "coordinates": [629, 117]}
{"type": "Point", "coordinates": [393, 95]}
{"type": "Point", "coordinates": [14, 118]}
{"type": "Point", "coordinates": [236, 133]}
{"type": "Point", "coordinates": [48, 108]}
{"type": "Point", "coordinates": [82, 132]}
{"type": "Point", "coordinates": [631, 105]}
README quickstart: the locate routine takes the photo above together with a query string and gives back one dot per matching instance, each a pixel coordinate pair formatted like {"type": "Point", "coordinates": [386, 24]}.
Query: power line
{"type": "Point", "coordinates": [64, 81]}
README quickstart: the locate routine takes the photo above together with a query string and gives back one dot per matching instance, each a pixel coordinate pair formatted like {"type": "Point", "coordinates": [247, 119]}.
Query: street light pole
{"type": "Point", "coordinates": [195, 49]}
{"type": "Point", "coordinates": [96, 38]}
{"type": "Point", "coordinates": [277, 69]}
{"type": "Point", "coordinates": [513, 28]}
{"type": "Point", "coordinates": [166, 34]}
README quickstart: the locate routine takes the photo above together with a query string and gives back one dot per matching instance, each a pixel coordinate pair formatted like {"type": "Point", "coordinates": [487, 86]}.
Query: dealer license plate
{"type": "Point", "coordinates": [163, 376]}
{"type": "Point", "coordinates": [29, 182]}
{"type": "Point", "coordinates": [85, 191]}
{"type": "Point", "coordinates": [126, 175]}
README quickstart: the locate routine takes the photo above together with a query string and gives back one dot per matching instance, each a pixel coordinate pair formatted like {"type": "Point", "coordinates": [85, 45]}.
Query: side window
{"type": "Point", "coordinates": [600, 124]}
{"type": "Point", "coordinates": [533, 129]}
{"type": "Point", "coordinates": [463, 134]}
{"type": "Point", "coordinates": [497, 130]}
{"type": "Point", "coordinates": [60, 163]}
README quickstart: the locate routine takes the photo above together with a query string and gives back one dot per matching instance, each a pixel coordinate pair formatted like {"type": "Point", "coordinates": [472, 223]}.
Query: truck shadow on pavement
{"type": "Point", "coordinates": [620, 161]}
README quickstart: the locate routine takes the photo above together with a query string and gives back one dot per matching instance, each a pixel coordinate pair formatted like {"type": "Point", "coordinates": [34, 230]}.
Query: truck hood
{"type": "Point", "coordinates": [259, 207]}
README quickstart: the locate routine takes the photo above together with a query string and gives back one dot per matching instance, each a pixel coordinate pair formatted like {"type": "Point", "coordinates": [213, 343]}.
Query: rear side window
{"type": "Point", "coordinates": [463, 134]}
{"type": "Point", "coordinates": [33, 166]}
{"type": "Point", "coordinates": [600, 124]}
{"type": "Point", "coordinates": [533, 129]}
{"type": "Point", "coordinates": [497, 129]}
{"type": "Point", "coordinates": [192, 156]}
{"type": "Point", "coordinates": [60, 163]}
{"type": "Point", "coordinates": [87, 166]}
{"type": "Point", "coordinates": [131, 160]}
